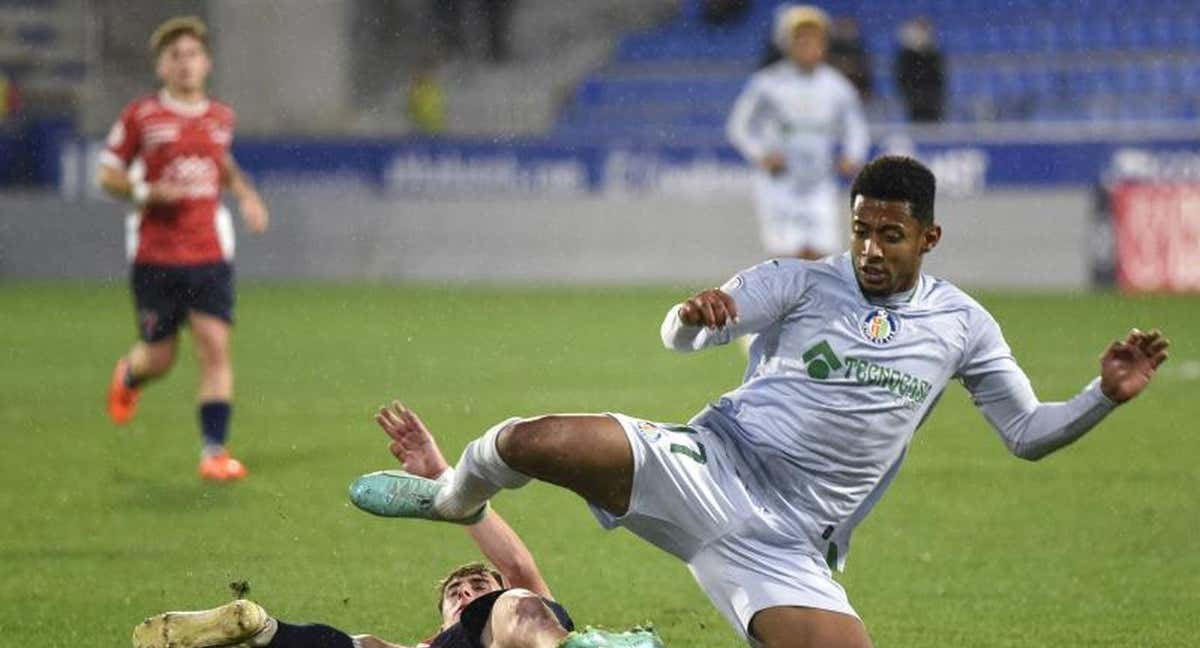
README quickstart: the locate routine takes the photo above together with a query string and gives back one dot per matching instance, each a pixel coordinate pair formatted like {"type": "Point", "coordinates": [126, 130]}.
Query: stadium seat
{"type": "Point", "coordinates": [1052, 60]}
{"type": "Point", "coordinates": [1045, 37]}
{"type": "Point", "coordinates": [1100, 34]}
{"type": "Point", "coordinates": [1134, 33]}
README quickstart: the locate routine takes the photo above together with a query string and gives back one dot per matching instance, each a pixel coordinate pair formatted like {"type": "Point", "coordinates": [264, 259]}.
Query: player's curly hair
{"type": "Point", "coordinates": [897, 177]}
{"type": "Point", "coordinates": [171, 30]}
{"type": "Point", "coordinates": [463, 571]}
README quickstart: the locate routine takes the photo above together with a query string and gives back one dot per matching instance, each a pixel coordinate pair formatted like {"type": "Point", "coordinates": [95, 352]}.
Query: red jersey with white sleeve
{"type": "Point", "coordinates": [184, 143]}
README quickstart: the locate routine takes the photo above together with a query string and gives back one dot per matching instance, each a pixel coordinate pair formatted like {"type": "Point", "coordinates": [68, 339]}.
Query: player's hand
{"type": "Point", "coordinates": [411, 442]}
{"type": "Point", "coordinates": [166, 192]}
{"type": "Point", "coordinates": [712, 308]}
{"type": "Point", "coordinates": [1128, 365]}
{"type": "Point", "coordinates": [773, 163]}
{"type": "Point", "coordinates": [254, 212]}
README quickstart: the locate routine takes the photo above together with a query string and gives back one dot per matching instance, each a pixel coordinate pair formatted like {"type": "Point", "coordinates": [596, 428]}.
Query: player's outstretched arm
{"type": "Point", "coordinates": [1127, 366]}
{"type": "Point", "coordinates": [1032, 429]}
{"type": "Point", "coordinates": [415, 447]}
{"type": "Point", "coordinates": [411, 442]}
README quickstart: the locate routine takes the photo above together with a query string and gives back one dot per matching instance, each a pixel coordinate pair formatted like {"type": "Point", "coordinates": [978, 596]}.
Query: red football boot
{"type": "Point", "coordinates": [221, 467]}
{"type": "Point", "coordinates": [122, 399]}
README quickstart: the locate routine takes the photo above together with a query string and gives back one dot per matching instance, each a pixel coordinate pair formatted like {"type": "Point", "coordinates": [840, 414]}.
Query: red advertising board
{"type": "Point", "coordinates": [1156, 231]}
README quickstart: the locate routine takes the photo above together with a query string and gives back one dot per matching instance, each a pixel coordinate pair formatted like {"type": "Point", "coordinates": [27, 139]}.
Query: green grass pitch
{"type": "Point", "coordinates": [1098, 545]}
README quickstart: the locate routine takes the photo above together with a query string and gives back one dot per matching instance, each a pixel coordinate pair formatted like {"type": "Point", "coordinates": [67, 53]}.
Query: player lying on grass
{"type": "Point", "coordinates": [507, 607]}
{"type": "Point", "coordinates": [760, 492]}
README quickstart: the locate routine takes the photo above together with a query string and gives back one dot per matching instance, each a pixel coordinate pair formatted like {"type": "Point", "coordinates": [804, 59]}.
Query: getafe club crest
{"type": "Point", "coordinates": [880, 326]}
{"type": "Point", "coordinates": [649, 430]}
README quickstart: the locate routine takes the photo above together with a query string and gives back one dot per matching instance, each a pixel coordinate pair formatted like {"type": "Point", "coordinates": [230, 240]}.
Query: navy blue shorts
{"type": "Point", "coordinates": [164, 295]}
{"type": "Point", "coordinates": [468, 632]}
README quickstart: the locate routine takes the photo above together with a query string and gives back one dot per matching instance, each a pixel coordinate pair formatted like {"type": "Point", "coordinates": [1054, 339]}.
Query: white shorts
{"type": "Point", "coordinates": [790, 221]}
{"type": "Point", "coordinates": [689, 501]}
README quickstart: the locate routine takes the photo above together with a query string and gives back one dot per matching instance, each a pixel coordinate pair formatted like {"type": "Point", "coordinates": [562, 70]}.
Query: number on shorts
{"type": "Point", "coordinates": [697, 454]}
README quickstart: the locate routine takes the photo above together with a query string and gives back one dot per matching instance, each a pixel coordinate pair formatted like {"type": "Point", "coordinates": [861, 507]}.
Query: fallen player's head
{"type": "Point", "coordinates": [463, 585]}
{"type": "Point", "coordinates": [891, 223]}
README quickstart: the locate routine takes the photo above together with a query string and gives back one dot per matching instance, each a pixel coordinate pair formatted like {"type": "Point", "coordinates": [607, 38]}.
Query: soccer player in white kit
{"type": "Point", "coordinates": [787, 122]}
{"type": "Point", "coordinates": [760, 492]}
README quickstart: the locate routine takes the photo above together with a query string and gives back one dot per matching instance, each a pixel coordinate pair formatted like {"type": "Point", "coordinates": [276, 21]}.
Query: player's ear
{"type": "Point", "coordinates": [931, 235]}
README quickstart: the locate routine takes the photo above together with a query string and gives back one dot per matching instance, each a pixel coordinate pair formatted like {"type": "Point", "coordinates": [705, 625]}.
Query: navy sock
{"type": "Point", "coordinates": [132, 381]}
{"type": "Point", "coordinates": [214, 422]}
{"type": "Point", "coordinates": [309, 636]}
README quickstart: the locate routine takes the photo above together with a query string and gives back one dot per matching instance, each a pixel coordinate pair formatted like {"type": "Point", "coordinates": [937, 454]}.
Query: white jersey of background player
{"type": "Point", "coordinates": [788, 121]}
{"type": "Point", "coordinates": [759, 493]}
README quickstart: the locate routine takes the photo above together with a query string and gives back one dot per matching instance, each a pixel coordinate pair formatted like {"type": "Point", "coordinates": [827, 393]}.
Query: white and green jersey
{"type": "Point", "coordinates": [804, 116]}
{"type": "Point", "coordinates": [837, 384]}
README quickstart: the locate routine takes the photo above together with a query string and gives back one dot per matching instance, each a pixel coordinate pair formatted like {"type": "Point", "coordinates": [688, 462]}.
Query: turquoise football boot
{"type": "Point", "coordinates": [395, 493]}
{"type": "Point", "coordinates": [596, 638]}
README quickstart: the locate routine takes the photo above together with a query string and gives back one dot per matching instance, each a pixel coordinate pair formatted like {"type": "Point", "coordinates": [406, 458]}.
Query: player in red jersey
{"type": "Point", "coordinates": [169, 154]}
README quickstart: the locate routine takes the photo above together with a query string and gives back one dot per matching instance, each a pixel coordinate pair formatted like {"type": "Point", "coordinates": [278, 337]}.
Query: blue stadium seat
{"type": "Point", "coordinates": [1188, 74]}
{"type": "Point", "coordinates": [1134, 33]}
{"type": "Point", "coordinates": [1081, 82]}
{"type": "Point", "coordinates": [1040, 81]}
{"type": "Point", "coordinates": [956, 39]}
{"type": "Point", "coordinates": [1074, 59]}
{"type": "Point", "coordinates": [993, 37]}
{"type": "Point", "coordinates": [1129, 79]}
{"type": "Point", "coordinates": [1021, 37]}
{"type": "Point", "coordinates": [1184, 31]}
{"type": "Point", "coordinates": [1046, 37]}
{"type": "Point", "coordinates": [1163, 77]}
{"type": "Point", "coordinates": [1158, 32]}
{"type": "Point", "coordinates": [1100, 34]}
{"type": "Point", "coordinates": [960, 83]}
{"type": "Point", "coordinates": [1074, 35]}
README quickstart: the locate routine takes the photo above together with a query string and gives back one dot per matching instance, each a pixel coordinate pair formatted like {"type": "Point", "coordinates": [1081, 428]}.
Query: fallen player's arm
{"type": "Point", "coordinates": [414, 446]}
{"type": "Point", "coordinates": [504, 549]}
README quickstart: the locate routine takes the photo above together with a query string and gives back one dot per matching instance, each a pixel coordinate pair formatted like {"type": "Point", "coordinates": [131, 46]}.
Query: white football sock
{"type": "Point", "coordinates": [479, 475]}
{"type": "Point", "coordinates": [264, 636]}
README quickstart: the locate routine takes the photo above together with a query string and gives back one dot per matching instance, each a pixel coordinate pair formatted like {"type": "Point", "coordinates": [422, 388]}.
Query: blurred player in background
{"type": "Point", "coordinates": [787, 122]}
{"type": "Point", "coordinates": [509, 606]}
{"type": "Point", "coordinates": [760, 493]}
{"type": "Point", "coordinates": [169, 155]}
